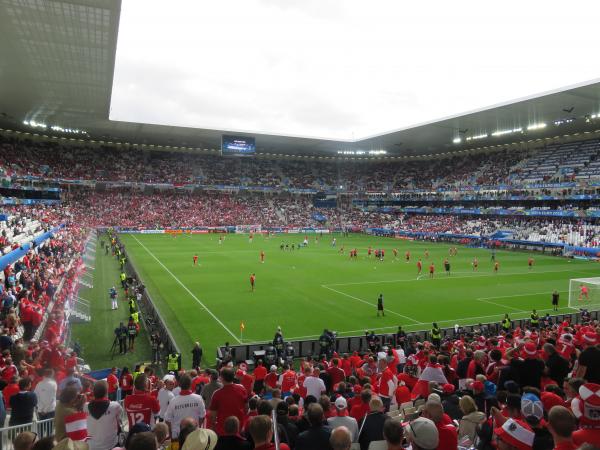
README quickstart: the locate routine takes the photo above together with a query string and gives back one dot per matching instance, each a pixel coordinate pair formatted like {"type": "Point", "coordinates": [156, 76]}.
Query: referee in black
{"type": "Point", "coordinates": [555, 300]}
{"type": "Point", "coordinates": [380, 306]}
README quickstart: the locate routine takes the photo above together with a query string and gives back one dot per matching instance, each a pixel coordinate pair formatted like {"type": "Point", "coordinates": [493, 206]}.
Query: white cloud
{"type": "Point", "coordinates": [342, 69]}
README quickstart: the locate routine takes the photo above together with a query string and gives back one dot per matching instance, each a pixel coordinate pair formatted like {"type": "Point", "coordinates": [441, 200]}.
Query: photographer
{"type": "Point", "coordinates": [121, 336]}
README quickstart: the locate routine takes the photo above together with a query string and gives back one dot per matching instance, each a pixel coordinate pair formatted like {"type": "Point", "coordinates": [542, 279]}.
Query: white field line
{"type": "Point", "coordinates": [404, 280]}
{"type": "Point", "coordinates": [501, 305]}
{"type": "Point", "coordinates": [188, 291]}
{"type": "Point", "coordinates": [518, 295]}
{"type": "Point", "coordinates": [395, 327]}
{"type": "Point", "coordinates": [369, 303]}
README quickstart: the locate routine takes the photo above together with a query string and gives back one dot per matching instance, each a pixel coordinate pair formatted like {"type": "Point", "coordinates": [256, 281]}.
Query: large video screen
{"type": "Point", "coordinates": [237, 145]}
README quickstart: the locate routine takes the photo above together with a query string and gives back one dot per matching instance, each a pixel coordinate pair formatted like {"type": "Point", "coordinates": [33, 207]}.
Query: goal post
{"type": "Point", "coordinates": [584, 293]}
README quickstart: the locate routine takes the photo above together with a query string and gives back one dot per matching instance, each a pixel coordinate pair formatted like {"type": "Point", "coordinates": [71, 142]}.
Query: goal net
{"type": "Point", "coordinates": [584, 293]}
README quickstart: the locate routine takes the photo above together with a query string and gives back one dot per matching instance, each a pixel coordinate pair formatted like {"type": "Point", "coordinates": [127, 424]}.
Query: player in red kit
{"type": "Point", "coordinates": [395, 253]}
{"type": "Point", "coordinates": [419, 266]}
{"type": "Point", "coordinates": [262, 256]}
{"type": "Point", "coordinates": [426, 254]}
{"type": "Point", "coordinates": [496, 266]}
{"type": "Point", "coordinates": [530, 262]}
{"type": "Point", "coordinates": [369, 251]}
{"type": "Point", "coordinates": [195, 259]}
{"type": "Point", "coordinates": [431, 270]}
{"type": "Point", "coordinates": [583, 292]}
{"type": "Point", "coordinates": [251, 237]}
{"type": "Point", "coordinates": [252, 281]}
{"type": "Point", "coordinates": [407, 256]}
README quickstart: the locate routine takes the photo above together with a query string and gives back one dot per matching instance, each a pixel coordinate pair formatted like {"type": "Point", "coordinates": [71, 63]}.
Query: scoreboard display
{"type": "Point", "coordinates": [237, 146]}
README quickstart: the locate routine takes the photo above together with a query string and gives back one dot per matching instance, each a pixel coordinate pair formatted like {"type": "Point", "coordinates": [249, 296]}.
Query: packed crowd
{"type": "Point", "coordinates": [34, 291]}
{"type": "Point", "coordinates": [551, 230]}
{"type": "Point", "coordinates": [531, 388]}
{"type": "Point", "coordinates": [54, 161]}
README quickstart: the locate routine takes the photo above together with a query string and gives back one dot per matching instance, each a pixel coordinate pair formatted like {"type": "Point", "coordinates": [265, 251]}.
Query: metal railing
{"type": "Point", "coordinates": [42, 428]}
{"type": "Point", "coordinates": [349, 344]}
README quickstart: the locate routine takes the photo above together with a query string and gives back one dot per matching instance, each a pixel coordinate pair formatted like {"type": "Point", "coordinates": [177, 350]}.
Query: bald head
{"type": "Point", "coordinates": [340, 439]}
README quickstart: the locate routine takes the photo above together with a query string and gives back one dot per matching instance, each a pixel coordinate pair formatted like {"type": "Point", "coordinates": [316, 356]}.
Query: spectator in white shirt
{"type": "Point", "coordinates": [165, 395]}
{"type": "Point", "coordinates": [313, 384]}
{"type": "Point", "coordinates": [103, 420]}
{"type": "Point", "coordinates": [46, 395]}
{"type": "Point", "coordinates": [343, 419]}
{"type": "Point", "coordinates": [186, 404]}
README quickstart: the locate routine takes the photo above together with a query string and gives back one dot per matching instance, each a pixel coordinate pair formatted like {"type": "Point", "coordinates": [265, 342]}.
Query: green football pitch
{"type": "Point", "coordinates": [317, 287]}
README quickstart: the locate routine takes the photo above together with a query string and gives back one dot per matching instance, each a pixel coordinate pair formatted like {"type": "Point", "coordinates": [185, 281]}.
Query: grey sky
{"type": "Point", "coordinates": [342, 69]}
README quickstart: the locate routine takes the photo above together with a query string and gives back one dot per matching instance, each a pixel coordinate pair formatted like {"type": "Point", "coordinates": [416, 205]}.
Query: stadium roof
{"type": "Point", "coordinates": [57, 61]}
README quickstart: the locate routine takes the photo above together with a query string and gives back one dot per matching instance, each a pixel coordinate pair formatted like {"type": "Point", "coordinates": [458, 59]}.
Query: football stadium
{"type": "Point", "coordinates": [299, 225]}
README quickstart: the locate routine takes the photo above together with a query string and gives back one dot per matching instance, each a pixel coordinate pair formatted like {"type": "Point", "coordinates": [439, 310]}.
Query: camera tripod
{"type": "Point", "coordinates": [114, 347]}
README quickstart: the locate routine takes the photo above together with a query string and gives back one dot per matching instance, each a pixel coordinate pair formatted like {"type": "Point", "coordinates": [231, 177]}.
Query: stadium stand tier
{"type": "Point", "coordinates": [474, 386]}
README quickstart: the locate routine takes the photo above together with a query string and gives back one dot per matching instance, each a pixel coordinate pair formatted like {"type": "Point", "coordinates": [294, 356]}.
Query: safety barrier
{"type": "Point", "coordinates": [349, 344]}
{"type": "Point", "coordinates": [151, 318]}
{"type": "Point", "coordinates": [42, 428]}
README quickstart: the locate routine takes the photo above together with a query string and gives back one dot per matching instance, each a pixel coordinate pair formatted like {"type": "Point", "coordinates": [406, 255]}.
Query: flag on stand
{"type": "Point", "coordinates": [242, 326]}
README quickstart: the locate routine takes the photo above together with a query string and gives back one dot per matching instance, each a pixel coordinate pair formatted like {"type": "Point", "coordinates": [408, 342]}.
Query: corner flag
{"type": "Point", "coordinates": [242, 326]}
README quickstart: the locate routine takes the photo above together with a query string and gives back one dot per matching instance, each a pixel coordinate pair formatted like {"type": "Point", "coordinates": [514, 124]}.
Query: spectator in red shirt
{"type": "Point", "coordinates": [113, 384]}
{"type": "Point", "coordinates": [362, 409]}
{"type": "Point", "coordinates": [141, 406]}
{"type": "Point", "coordinates": [448, 436]}
{"type": "Point", "coordinates": [562, 424]}
{"type": "Point", "coordinates": [585, 406]}
{"type": "Point", "coordinates": [11, 389]}
{"type": "Point", "coordinates": [260, 372]}
{"type": "Point", "coordinates": [126, 382]}
{"type": "Point", "coordinates": [271, 379]}
{"type": "Point", "coordinates": [230, 400]}
{"type": "Point", "coordinates": [337, 375]}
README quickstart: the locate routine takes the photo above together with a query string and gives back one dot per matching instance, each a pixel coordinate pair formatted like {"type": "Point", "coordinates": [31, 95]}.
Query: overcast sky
{"type": "Point", "coordinates": [343, 69]}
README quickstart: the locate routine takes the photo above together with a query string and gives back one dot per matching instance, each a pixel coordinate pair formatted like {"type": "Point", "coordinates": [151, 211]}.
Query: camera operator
{"type": "Point", "coordinates": [121, 336]}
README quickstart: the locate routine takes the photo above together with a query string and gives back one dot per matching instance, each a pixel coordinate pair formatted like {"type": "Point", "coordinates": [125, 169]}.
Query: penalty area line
{"type": "Point", "coordinates": [187, 290]}
{"type": "Point", "coordinates": [505, 274]}
{"type": "Point", "coordinates": [370, 304]}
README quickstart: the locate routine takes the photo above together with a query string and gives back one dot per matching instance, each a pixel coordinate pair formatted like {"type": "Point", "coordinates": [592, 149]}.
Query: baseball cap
{"type": "Point", "coordinates": [516, 433]}
{"type": "Point", "coordinates": [532, 406]}
{"type": "Point", "coordinates": [340, 403]}
{"type": "Point", "coordinates": [202, 438]}
{"type": "Point", "coordinates": [273, 368]}
{"type": "Point", "coordinates": [423, 433]}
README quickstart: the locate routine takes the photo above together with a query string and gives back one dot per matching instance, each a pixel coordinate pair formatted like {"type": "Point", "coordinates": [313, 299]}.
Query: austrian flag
{"type": "Point", "coordinates": [76, 426]}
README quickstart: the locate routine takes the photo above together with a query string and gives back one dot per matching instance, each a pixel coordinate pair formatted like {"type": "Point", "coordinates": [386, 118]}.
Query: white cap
{"type": "Point", "coordinates": [273, 368]}
{"type": "Point", "coordinates": [340, 403]}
